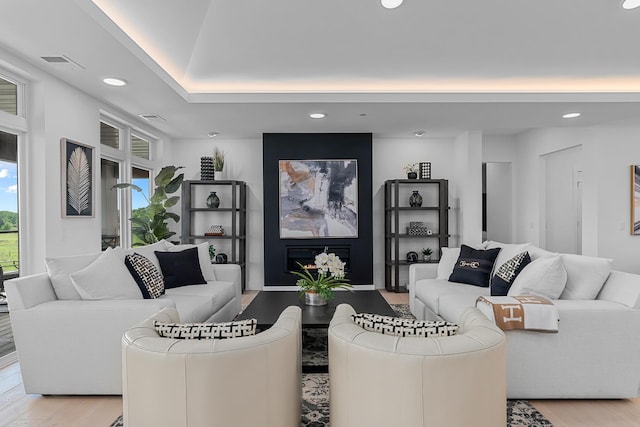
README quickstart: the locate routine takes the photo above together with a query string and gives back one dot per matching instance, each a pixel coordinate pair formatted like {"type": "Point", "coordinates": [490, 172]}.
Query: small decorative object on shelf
{"type": "Point", "coordinates": [415, 199]}
{"type": "Point", "coordinates": [213, 201]}
{"type": "Point", "coordinates": [206, 168]}
{"type": "Point", "coordinates": [221, 258]}
{"type": "Point", "coordinates": [425, 170]}
{"type": "Point", "coordinates": [215, 230]}
{"type": "Point", "coordinates": [412, 256]}
{"type": "Point", "coordinates": [412, 171]}
{"type": "Point", "coordinates": [212, 252]}
{"type": "Point", "coordinates": [426, 254]}
{"type": "Point", "coordinates": [218, 162]}
{"type": "Point", "coordinates": [417, 228]}
{"type": "Point", "coordinates": [330, 276]}
{"type": "Point", "coordinates": [429, 232]}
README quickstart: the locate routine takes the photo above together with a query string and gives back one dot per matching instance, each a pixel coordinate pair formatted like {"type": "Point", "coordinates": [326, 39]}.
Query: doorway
{"type": "Point", "coordinates": [497, 201]}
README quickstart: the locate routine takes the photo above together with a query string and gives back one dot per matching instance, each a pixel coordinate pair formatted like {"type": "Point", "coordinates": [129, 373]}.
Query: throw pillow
{"type": "Point", "coordinates": [544, 276]}
{"type": "Point", "coordinates": [507, 273]}
{"type": "Point", "coordinates": [585, 275]}
{"type": "Point", "coordinates": [148, 251]}
{"type": "Point", "coordinates": [180, 268]}
{"type": "Point", "coordinates": [105, 278]}
{"type": "Point", "coordinates": [474, 266]}
{"type": "Point", "coordinates": [59, 270]}
{"type": "Point", "coordinates": [507, 252]}
{"type": "Point", "coordinates": [146, 275]}
{"type": "Point", "coordinates": [198, 331]}
{"type": "Point", "coordinates": [203, 256]}
{"type": "Point", "coordinates": [447, 262]}
{"type": "Point", "coordinates": [400, 327]}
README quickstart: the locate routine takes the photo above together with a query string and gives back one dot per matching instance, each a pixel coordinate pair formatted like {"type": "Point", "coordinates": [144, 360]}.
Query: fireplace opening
{"type": "Point", "coordinates": [306, 255]}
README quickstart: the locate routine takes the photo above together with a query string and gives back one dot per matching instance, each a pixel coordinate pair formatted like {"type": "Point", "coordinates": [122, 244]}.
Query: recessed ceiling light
{"type": "Point", "coordinates": [212, 134]}
{"type": "Point", "coordinates": [317, 115]}
{"type": "Point", "coordinates": [391, 4]}
{"type": "Point", "coordinates": [419, 133]}
{"type": "Point", "coordinates": [571, 115]}
{"type": "Point", "coordinates": [630, 4]}
{"type": "Point", "coordinates": [112, 81]}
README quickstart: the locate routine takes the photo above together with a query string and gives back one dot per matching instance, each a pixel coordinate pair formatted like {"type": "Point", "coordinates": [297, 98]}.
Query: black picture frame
{"type": "Point", "coordinates": [77, 182]}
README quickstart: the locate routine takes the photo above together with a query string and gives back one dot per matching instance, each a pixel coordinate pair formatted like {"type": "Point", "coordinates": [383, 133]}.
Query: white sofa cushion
{"type": "Point", "coordinates": [59, 270]}
{"type": "Point", "coordinates": [430, 292]}
{"type": "Point", "coordinates": [106, 278]}
{"type": "Point", "coordinates": [585, 275]}
{"type": "Point", "coordinates": [149, 251]}
{"type": "Point", "coordinates": [203, 256]}
{"type": "Point", "coordinates": [507, 251]}
{"type": "Point", "coordinates": [544, 276]}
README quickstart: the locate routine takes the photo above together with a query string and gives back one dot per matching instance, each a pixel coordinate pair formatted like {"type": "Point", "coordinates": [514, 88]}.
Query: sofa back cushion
{"type": "Point", "coordinates": [544, 276]}
{"type": "Point", "coordinates": [203, 257]}
{"type": "Point", "coordinates": [60, 268]}
{"type": "Point", "coordinates": [181, 268]}
{"type": "Point", "coordinates": [474, 266]}
{"type": "Point", "coordinates": [507, 252]}
{"type": "Point", "coordinates": [585, 276]}
{"type": "Point", "coordinates": [148, 251]}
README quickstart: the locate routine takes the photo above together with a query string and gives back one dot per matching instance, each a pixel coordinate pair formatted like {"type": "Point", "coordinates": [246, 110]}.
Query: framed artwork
{"type": "Point", "coordinates": [635, 200]}
{"type": "Point", "coordinates": [77, 179]}
{"type": "Point", "coordinates": [318, 199]}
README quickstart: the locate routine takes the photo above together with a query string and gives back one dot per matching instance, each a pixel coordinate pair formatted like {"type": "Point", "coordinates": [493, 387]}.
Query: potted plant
{"type": "Point", "coordinates": [412, 170]}
{"type": "Point", "coordinates": [330, 274]}
{"type": "Point", "coordinates": [426, 254]}
{"type": "Point", "coordinates": [150, 224]}
{"type": "Point", "coordinates": [218, 162]}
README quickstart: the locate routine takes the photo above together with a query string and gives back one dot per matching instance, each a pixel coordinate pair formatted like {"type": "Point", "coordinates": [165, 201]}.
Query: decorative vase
{"type": "Point", "coordinates": [425, 170]}
{"type": "Point", "coordinates": [426, 257]}
{"type": "Point", "coordinates": [218, 175]}
{"type": "Point", "coordinates": [415, 199]}
{"type": "Point", "coordinates": [312, 298]}
{"type": "Point", "coordinates": [206, 168]}
{"type": "Point", "coordinates": [221, 259]}
{"type": "Point", "coordinates": [213, 201]}
{"type": "Point", "coordinates": [412, 175]}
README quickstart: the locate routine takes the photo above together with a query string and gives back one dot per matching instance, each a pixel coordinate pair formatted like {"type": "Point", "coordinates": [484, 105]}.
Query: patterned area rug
{"type": "Point", "coordinates": [315, 387]}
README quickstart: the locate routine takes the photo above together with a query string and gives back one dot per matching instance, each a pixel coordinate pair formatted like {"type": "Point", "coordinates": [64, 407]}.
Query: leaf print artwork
{"type": "Point", "coordinates": [78, 181]}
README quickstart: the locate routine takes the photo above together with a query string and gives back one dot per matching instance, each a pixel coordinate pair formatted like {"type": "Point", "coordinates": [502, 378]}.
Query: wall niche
{"type": "Point", "coordinates": [311, 184]}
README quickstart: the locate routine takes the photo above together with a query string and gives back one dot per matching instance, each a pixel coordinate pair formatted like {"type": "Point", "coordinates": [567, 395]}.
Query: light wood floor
{"type": "Point", "coordinates": [19, 409]}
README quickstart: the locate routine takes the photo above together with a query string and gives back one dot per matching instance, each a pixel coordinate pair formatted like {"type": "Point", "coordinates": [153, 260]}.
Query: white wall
{"type": "Point", "coordinates": [466, 191]}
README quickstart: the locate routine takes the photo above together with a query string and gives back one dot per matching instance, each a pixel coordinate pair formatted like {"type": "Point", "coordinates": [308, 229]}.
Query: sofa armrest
{"type": "Point", "coordinates": [230, 273]}
{"type": "Point", "coordinates": [623, 288]}
{"type": "Point", "coordinates": [28, 291]}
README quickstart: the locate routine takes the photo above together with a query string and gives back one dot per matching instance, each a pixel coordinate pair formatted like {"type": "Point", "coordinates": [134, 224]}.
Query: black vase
{"type": "Point", "coordinates": [412, 175]}
{"type": "Point", "coordinates": [213, 201]}
{"type": "Point", "coordinates": [221, 259]}
{"type": "Point", "coordinates": [415, 199]}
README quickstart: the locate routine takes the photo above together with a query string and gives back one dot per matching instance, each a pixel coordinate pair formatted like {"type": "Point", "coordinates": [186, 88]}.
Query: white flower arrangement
{"type": "Point", "coordinates": [331, 276]}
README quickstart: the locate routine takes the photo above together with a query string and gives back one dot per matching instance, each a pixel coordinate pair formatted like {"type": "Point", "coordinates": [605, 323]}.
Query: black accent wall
{"type": "Point", "coordinates": [308, 146]}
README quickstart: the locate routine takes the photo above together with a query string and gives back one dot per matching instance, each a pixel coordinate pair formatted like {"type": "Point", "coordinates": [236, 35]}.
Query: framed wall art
{"type": "Point", "coordinates": [77, 179]}
{"type": "Point", "coordinates": [318, 199]}
{"type": "Point", "coordinates": [635, 200]}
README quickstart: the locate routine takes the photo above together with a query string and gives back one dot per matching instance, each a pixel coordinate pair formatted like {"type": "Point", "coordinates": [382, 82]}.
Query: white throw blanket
{"type": "Point", "coordinates": [529, 312]}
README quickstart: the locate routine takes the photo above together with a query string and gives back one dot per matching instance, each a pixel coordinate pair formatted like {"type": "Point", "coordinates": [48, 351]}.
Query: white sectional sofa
{"type": "Point", "coordinates": [594, 354]}
{"type": "Point", "coordinates": [67, 345]}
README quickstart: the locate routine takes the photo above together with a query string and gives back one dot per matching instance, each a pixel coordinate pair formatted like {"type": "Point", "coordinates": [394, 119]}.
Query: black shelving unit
{"type": "Point", "coordinates": [398, 213]}
{"type": "Point", "coordinates": [235, 211]}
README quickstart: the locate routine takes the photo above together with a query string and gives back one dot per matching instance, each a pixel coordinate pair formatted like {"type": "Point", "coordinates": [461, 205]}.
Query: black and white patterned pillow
{"type": "Point", "coordinates": [199, 331]}
{"type": "Point", "coordinates": [507, 273]}
{"type": "Point", "coordinates": [400, 327]}
{"type": "Point", "coordinates": [146, 274]}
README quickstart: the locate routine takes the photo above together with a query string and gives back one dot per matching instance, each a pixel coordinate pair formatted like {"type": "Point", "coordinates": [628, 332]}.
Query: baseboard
{"type": "Point", "coordinates": [8, 359]}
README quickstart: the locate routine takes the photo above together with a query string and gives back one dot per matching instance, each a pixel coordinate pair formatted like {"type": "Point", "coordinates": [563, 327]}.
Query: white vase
{"type": "Point", "coordinates": [218, 175]}
{"type": "Point", "coordinates": [311, 298]}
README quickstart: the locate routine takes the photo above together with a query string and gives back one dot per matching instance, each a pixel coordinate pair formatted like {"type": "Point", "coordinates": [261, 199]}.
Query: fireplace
{"type": "Point", "coordinates": [306, 255]}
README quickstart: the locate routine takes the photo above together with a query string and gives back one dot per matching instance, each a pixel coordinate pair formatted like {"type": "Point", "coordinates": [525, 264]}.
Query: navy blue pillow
{"type": "Point", "coordinates": [180, 268]}
{"type": "Point", "coordinates": [506, 274]}
{"type": "Point", "coordinates": [474, 266]}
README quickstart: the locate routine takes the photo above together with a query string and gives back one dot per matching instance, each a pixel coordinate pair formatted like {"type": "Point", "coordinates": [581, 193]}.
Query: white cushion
{"type": "Point", "coordinates": [447, 262]}
{"type": "Point", "coordinates": [507, 251]}
{"type": "Point", "coordinates": [148, 251]}
{"type": "Point", "coordinates": [585, 275]}
{"type": "Point", "coordinates": [106, 278]}
{"type": "Point", "coordinates": [59, 270]}
{"type": "Point", "coordinates": [203, 257]}
{"type": "Point", "coordinates": [536, 252]}
{"type": "Point", "coordinates": [545, 277]}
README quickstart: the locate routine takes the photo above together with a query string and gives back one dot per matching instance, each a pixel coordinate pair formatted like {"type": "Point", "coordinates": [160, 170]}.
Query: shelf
{"type": "Point", "coordinates": [213, 210]}
{"type": "Point", "coordinates": [405, 262]}
{"type": "Point", "coordinates": [217, 182]}
{"type": "Point", "coordinates": [409, 208]}
{"type": "Point", "coordinates": [225, 236]}
{"type": "Point", "coordinates": [410, 236]}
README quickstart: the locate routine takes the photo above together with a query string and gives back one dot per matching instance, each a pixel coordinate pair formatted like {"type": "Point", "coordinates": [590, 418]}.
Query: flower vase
{"type": "Point", "coordinates": [218, 175]}
{"type": "Point", "coordinates": [213, 201]}
{"type": "Point", "coordinates": [312, 298]}
{"type": "Point", "coordinates": [415, 200]}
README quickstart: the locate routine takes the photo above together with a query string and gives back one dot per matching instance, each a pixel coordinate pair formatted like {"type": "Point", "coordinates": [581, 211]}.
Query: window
{"type": "Point", "coordinates": [139, 147]}
{"type": "Point", "coordinates": [139, 200]}
{"type": "Point", "coordinates": [110, 176]}
{"type": "Point", "coordinates": [9, 259]}
{"type": "Point", "coordinates": [8, 97]}
{"type": "Point", "coordinates": [109, 136]}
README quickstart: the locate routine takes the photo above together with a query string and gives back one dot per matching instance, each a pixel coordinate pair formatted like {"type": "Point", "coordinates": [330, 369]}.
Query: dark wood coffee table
{"type": "Point", "coordinates": [267, 306]}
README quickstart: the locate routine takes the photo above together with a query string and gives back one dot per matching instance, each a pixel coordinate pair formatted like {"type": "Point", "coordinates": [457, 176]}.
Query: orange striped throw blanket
{"type": "Point", "coordinates": [529, 312]}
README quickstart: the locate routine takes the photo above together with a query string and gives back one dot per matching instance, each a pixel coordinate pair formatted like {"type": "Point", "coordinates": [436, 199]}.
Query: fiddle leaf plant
{"type": "Point", "coordinates": [151, 224]}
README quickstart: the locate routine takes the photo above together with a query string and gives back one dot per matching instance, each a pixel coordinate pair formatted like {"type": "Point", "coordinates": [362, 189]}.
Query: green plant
{"type": "Point", "coordinates": [330, 276]}
{"type": "Point", "coordinates": [152, 225]}
{"type": "Point", "coordinates": [218, 159]}
{"type": "Point", "coordinates": [411, 168]}
{"type": "Point", "coordinates": [427, 251]}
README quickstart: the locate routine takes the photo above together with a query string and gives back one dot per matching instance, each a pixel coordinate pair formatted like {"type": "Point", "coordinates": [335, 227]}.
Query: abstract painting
{"type": "Point", "coordinates": [318, 199]}
{"type": "Point", "coordinates": [635, 200]}
{"type": "Point", "coordinates": [77, 179]}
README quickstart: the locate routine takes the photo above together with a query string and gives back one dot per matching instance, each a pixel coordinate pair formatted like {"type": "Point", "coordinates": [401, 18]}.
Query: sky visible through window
{"type": "Point", "coordinates": [8, 186]}
{"type": "Point", "coordinates": [137, 199]}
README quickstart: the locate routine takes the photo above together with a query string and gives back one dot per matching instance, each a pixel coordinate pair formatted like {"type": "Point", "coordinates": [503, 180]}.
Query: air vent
{"type": "Point", "coordinates": [62, 60]}
{"type": "Point", "coordinates": [152, 117]}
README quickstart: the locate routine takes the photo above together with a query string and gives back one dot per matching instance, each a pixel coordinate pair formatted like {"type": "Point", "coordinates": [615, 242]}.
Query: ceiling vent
{"type": "Point", "coordinates": [152, 117]}
{"type": "Point", "coordinates": [62, 60]}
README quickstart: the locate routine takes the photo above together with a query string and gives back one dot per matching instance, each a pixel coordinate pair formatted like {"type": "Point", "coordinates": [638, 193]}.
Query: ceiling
{"type": "Point", "coordinates": [244, 67]}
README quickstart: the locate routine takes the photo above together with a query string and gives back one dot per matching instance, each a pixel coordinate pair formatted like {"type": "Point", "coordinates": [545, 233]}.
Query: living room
{"type": "Point", "coordinates": [523, 129]}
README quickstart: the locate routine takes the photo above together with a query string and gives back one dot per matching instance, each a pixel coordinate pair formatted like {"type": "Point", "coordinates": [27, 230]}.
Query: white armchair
{"type": "Point", "coordinates": [248, 381]}
{"type": "Point", "coordinates": [383, 380]}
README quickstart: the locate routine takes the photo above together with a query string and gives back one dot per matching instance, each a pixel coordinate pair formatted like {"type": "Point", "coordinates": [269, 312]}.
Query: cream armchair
{"type": "Point", "coordinates": [249, 381]}
{"type": "Point", "coordinates": [383, 380]}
